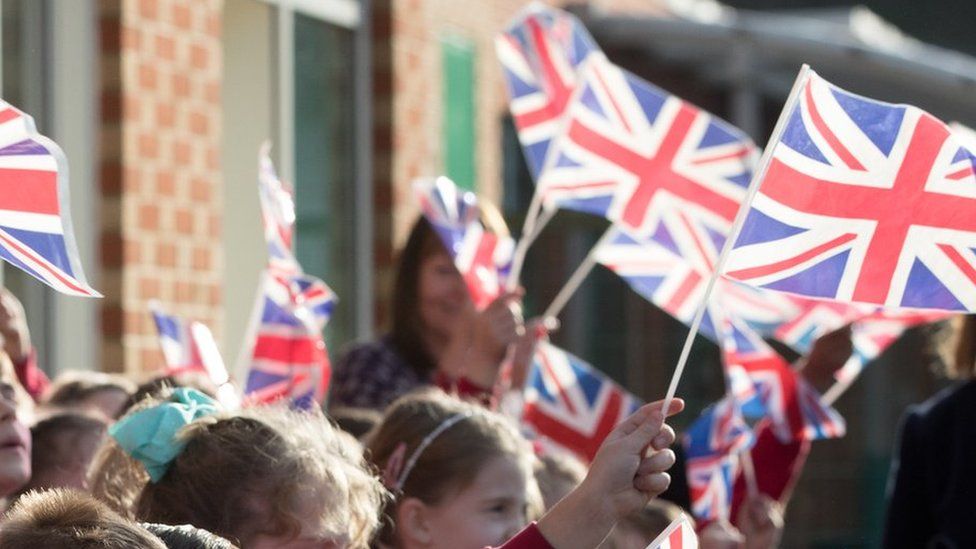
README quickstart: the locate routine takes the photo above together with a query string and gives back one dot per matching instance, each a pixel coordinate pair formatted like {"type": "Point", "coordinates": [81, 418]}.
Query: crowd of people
{"type": "Point", "coordinates": [410, 452]}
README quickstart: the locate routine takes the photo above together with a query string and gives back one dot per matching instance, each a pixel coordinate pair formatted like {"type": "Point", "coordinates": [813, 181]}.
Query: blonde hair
{"type": "Point", "coordinates": [242, 474]}
{"type": "Point", "coordinates": [452, 459]}
{"type": "Point", "coordinates": [58, 518]}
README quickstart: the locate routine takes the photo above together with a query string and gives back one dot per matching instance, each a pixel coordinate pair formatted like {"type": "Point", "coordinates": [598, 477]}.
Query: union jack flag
{"type": "Point", "coordinates": [674, 278]}
{"type": "Point", "coordinates": [35, 220]}
{"type": "Point", "coordinates": [286, 357]}
{"type": "Point", "coordinates": [277, 214]}
{"type": "Point", "coordinates": [871, 335]}
{"type": "Point", "coordinates": [711, 481]}
{"type": "Point", "coordinates": [540, 53]}
{"type": "Point", "coordinates": [571, 403]}
{"type": "Point", "coordinates": [763, 382]}
{"type": "Point", "coordinates": [863, 201]}
{"type": "Point", "coordinates": [680, 534]}
{"type": "Point", "coordinates": [815, 318]}
{"type": "Point", "coordinates": [483, 258]}
{"type": "Point", "coordinates": [188, 345]}
{"type": "Point", "coordinates": [632, 152]}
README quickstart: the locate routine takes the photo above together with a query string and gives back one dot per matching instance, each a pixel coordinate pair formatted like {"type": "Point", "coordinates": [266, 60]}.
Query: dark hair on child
{"type": "Point", "coordinates": [186, 536]}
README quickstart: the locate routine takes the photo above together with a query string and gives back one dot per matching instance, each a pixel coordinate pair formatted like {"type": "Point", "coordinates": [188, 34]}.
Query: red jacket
{"type": "Point", "coordinates": [528, 538]}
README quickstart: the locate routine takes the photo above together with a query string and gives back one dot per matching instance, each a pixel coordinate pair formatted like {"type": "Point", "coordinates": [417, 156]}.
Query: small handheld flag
{"type": "Point", "coordinates": [35, 217]}
{"type": "Point", "coordinates": [680, 534]}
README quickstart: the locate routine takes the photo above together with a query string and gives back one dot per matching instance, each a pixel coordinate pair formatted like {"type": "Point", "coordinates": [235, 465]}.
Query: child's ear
{"type": "Point", "coordinates": [412, 524]}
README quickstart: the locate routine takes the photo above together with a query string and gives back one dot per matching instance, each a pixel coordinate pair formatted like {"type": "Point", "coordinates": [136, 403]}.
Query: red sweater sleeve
{"type": "Point", "coordinates": [528, 538]}
{"type": "Point", "coordinates": [34, 380]}
{"type": "Point", "coordinates": [778, 467]}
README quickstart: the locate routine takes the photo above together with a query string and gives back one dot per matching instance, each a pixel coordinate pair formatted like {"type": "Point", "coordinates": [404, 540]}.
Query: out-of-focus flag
{"type": "Point", "coordinates": [871, 335]}
{"type": "Point", "coordinates": [189, 346]}
{"type": "Point", "coordinates": [712, 446]}
{"type": "Point", "coordinates": [571, 403]}
{"type": "Point", "coordinates": [483, 258]}
{"type": "Point", "coordinates": [35, 220]}
{"type": "Point", "coordinates": [764, 383]}
{"type": "Point", "coordinates": [286, 355]}
{"type": "Point", "coordinates": [540, 53]}
{"type": "Point", "coordinates": [680, 534]}
{"type": "Point", "coordinates": [863, 201]}
{"type": "Point", "coordinates": [674, 279]}
{"type": "Point", "coordinates": [815, 318]}
{"type": "Point", "coordinates": [633, 153]}
{"type": "Point", "coordinates": [277, 214]}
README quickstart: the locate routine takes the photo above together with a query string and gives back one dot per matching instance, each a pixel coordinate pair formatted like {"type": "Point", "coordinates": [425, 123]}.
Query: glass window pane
{"type": "Point", "coordinates": [324, 163]}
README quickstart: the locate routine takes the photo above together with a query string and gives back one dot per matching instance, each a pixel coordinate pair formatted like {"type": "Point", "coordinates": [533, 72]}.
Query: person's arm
{"type": "Point", "coordinates": [477, 349]}
{"type": "Point", "coordinates": [17, 345]}
{"type": "Point", "coordinates": [908, 522]}
{"type": "Point", "coordinates": [627, 471]}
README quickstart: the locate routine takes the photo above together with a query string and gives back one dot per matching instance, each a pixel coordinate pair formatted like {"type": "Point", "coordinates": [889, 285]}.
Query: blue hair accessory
{"type": "Point", "coordinates": [150, 435]}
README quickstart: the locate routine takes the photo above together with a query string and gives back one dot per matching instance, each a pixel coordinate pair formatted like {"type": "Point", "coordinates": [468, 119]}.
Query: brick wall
{"type": "Point", "coordinates": [160, 170]}
{"type": "Point", "coordinates": [407, 76]}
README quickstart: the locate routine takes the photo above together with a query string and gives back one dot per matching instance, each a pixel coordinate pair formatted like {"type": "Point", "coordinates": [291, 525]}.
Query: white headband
{"type": "Point", "coordinates": [415, 455]}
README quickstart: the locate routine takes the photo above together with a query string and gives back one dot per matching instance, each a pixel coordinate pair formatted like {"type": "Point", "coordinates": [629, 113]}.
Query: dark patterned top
{"type": "Point", "coordinates": [372, 375]}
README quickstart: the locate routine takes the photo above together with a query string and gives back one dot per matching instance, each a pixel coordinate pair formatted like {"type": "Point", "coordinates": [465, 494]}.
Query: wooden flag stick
{"type": "Point", "coordinates": [836, 390]}
{"type": "Point", "coordinates": [749, 473]}
{"type": "Point", "coordinates": [530, 231]}
{"type": "Point", "coordinates": [578, 276]}
{"type": "Point", "coordinates": [734, 233]}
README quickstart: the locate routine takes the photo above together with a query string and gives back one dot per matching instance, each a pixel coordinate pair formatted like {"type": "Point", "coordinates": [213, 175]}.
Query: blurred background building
{"type": "Point", "coordinates": [161, 106]}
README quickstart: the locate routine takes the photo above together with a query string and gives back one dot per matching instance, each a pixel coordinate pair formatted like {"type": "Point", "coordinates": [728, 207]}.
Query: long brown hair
{"type": "Point", "coordinates": [962, 347]}
{"type": "Point", "coordinates": [407, 328]}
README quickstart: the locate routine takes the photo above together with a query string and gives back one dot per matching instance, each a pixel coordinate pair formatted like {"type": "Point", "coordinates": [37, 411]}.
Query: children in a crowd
{"type": "Point", "coordinates": [260, 477]}
{"type": "Point", "coordinates": [355, 421]}
{"type": "Point", "coordinates": [95, 392]}
{"type": "Point", "coordinates": [63, 446]}
{"type": "Point", "coordinates": [187, 537]}
{"type": "Point", "coordinates": [462, 475]}
{"type": "Point", "coordinates": [462, 478]}
{"type": "Point", "coordinates": [66, 519]}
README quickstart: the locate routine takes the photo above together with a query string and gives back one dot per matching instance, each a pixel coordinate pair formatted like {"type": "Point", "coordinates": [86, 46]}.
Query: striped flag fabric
{"type": "Point", "coordinates": [572, 404]}
{"type": "Point", "coordinates": [286, 357]}
{"type": "Point", "coordinates": [863, 201]}
{"type": "Point", "coordinates": [680, 534]}
{"type": "Point", "coordinates": [632, 153]}
{"type": "Point", "coordinates": [540, 54]}
{"type": "Point", "coordinates": [482, 257]}
{"type": "Point", "coordinates": [35, 218]}
{"type": "Point", "coordinates": [277, 200]}
{"type": "Point", "coordinates": [872, 335]}
{"type": "Point", "coordinates": [712, 445]}
{"type": "Point", "coordinates": [765, 384]}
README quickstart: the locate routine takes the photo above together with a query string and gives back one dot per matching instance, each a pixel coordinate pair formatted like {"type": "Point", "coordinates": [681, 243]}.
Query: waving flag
{"type": "Point", "coordinates": [680, 534]}
{"type": "Point", "coordinates": [631, 152]}
{"type": "Point", "coordinates": [286, 355]}
{"type": "Point", "coordinates": [540, 54]}
{"type": "Point", "coordinates": [35, 220]}
{"type": "Point", "coordinates": [176, 339]}
{"type": "Point", "coordinates": [572, 404]}
{"type": "Point", "coordinates": [712, 445]}
{"type": "Point", "coordinates": [763, 382]}
{"type": "Point", "coordinates": [863, 201]}
{"type": "Point", "coordinates": [814, 319]}
{"type": "Point", "coordinates": [674, 279]}
{"type": "Point", "coordinates": [871, 335]}
{"type": "Point", "coordinates": [483, 258]}
{"type": "Point", "coordinates": [277, 214]}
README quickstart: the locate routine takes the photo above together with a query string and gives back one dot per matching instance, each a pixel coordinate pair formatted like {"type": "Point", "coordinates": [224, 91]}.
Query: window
{"type": "Point", "coordinates": [293, 73]}
{"type": "Point", "coordinates": [49, 71]}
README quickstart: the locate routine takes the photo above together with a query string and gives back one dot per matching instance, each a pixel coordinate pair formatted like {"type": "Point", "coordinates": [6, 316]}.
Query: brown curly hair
{"type": "Point", "coordinates": [249, 473]}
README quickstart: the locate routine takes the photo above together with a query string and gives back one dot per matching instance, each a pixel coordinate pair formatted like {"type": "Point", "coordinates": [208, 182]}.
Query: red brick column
{"type": "Point", "coordinates": [160, 170]}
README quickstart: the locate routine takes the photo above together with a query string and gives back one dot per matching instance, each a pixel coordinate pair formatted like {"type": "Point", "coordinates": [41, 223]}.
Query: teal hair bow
{"type": "Point", "coordinates": [150, 435]}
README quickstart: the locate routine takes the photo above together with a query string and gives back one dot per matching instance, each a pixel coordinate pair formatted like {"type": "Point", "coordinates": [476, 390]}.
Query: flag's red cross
{"type": "Point", "coordinates": [655, 172]}
{"type": "Point", "coordinates": [551, 83]}
{"type": "Point", "coordinates": [895, 210]}
{"type": "Point", "coordinates": [586, 444]}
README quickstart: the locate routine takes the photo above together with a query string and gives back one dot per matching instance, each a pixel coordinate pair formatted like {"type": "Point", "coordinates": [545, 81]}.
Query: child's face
{"type": "Point", "coordinates": [487, 512]}
{"type": "Point", "coordinates": [15, 459]}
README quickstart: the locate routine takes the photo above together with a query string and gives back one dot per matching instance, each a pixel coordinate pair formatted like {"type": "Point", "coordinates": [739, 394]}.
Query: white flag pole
{"type": "Point", "coordinates": [576, 280]}
{"type": "Point", "coordinates": [736, 227]}
{"type": "Point", "coordinates": [530, 230]}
